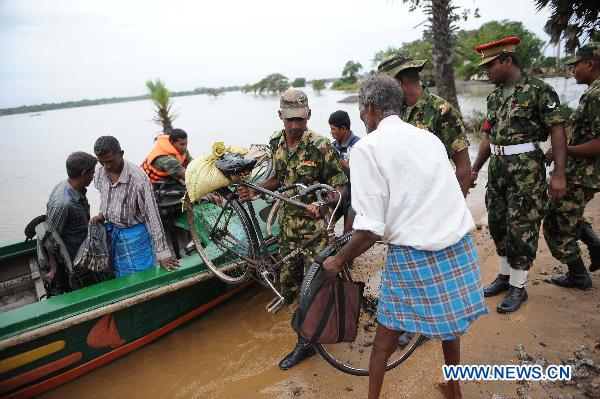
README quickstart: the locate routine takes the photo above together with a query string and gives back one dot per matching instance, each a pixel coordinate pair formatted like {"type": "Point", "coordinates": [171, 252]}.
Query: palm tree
{"type": "Point", "coordinates": [440, 16]}
{"type": "Point", "coordinates": [161, 97]}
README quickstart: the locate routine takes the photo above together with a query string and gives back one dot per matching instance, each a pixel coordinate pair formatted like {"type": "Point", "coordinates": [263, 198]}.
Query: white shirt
{"type": "Point", "coordinates": [404, 188]}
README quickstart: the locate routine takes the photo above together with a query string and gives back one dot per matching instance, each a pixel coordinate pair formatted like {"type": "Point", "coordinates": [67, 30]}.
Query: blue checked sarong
{"type": "Point", "coordinates": [131, 248]}
{"type": "Point", "coordinates": [434, 293]}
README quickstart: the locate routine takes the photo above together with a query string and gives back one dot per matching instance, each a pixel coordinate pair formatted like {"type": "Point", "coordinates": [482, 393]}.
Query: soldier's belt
{"type": "Point", "coordinates": [513, 149]}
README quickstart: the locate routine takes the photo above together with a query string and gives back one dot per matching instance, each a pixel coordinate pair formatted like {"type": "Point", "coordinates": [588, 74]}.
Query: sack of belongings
{"type": "Point", "coordinates": [94, 253]}
{"type": "Point", "coordinates": [202, 176]}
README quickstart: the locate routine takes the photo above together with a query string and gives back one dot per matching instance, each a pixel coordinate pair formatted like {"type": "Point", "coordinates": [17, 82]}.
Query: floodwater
{"type": "Point", "coordinates": [233, 350]}
{"type": "Point", "coordinates": [35, 147]}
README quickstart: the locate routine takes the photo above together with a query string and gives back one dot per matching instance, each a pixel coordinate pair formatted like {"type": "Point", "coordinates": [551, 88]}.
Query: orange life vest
{"type": "Point", "coordinates": [162, 146]}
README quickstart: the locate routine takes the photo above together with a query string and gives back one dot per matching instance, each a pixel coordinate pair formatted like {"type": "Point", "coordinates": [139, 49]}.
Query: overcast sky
{"type": "Point", "coordinates": [61, 50]}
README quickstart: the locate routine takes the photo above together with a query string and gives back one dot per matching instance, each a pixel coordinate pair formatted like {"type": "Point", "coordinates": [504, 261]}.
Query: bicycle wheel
{"type": "Point", "coordinates": [353, 357]}
{"type": "Point", "coordinates": [223, 236]}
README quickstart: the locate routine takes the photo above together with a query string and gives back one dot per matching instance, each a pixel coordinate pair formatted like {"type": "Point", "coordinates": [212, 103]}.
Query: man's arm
{"type": "Point", "coordinates": [558, 183]}
{"type": "Point", "coordinates": [345, 165]}
{"type": "Point", "coordinates": [149, 211]}
{"type": "Point", "coordinates": [361, 241]}
{"type": "Point", "coordinates": [482, 157]}
{"type": "Point", "coordinates": [588, 149]}
{"type": "Point", "coordinates": [246, 193]}
{"type": "Point", "coordinates": [463, 170]}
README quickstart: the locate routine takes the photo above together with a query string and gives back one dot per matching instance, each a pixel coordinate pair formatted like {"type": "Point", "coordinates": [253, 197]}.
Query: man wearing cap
{"type": "Point", "coordinates": [427, 111]}
{"type": "Point", "coordinates": [299, 156]}
{"type": "Point", "coordinates": [563, 224]}
{"type": "Point", "coordinates": [521, 113]}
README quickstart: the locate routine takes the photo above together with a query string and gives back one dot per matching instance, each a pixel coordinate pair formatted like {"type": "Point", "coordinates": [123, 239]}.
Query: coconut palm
{"type": "Point", "coordinates": [161, 97]}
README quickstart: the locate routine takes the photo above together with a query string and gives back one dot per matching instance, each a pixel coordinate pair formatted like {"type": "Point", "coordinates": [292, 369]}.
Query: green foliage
{"type": "Point", "coordinates": [350, 71]}
{"type": "Point", "coordinates": [474, 123]}
{"type": "Point", "coordinates": [318, 85]}
{"type": "Point", "coordinates": [274, 83]}
{"type": "Point", "coordinates": [214, 92]}
{"type": "Point", "coordinates": [299, 82]}
{"type": "Point", "coordinates": [465, 59]}
{"type": "Point", "coordinates": [161, 97]}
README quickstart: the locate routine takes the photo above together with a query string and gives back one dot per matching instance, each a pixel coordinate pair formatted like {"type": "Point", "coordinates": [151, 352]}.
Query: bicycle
{"type": "Point", "coordinates": [229, 238]}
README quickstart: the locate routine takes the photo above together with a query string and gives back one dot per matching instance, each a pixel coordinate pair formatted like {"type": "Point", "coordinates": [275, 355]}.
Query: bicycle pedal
{"type": "Point", "coordinates": [275, 305]}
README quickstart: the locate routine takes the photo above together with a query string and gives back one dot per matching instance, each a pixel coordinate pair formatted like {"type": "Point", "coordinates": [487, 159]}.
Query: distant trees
{"type": "Point", "coordinates": [214, 92]}
{"type": "Point", "coordinates": [349, 76]}
{"type": "Point", "coordinates": [274, 83]}
{"type": "Point", "coordinates": [318, 85]}
{"type": "Point", "coordinates": [299, 82]}
{"type": "Point", "coordinates": [465, 58]}
{"type": "Point", "coordinates": [161, 97]}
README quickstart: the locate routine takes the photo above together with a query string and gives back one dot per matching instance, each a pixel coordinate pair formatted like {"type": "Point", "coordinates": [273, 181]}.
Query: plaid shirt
{"type": "Point", "coordinates": [130, 201]}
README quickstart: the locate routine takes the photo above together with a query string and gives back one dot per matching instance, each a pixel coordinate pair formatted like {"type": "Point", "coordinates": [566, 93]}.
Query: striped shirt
{"type": "Point", "coordinates": [130, 201]}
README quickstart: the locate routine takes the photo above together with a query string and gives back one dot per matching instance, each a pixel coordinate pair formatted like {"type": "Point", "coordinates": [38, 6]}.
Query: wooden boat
{"type": "Point", "coordinates": [44, 344]}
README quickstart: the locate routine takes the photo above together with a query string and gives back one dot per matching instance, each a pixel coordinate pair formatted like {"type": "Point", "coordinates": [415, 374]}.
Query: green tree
{"type": "Point", "coordinates": [299, 82]}
{"type": "Point", "coordinates": [274, 83]}
{"type": "Point", "coordinates": [214, 92]}
{"type": "Point", "coordinates": [161, 97]}
{"type": "Point", "coordinates": [318, 85]}
{"type": "Point", "coordinates": [466, 59]}
{"type": "Point", "coordinates": [350, 71]}
{"type": "Point", "coordinates": [571, 20]}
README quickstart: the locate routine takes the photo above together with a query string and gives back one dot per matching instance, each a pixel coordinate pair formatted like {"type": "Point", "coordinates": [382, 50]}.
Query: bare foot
{"type": "Point", "coordinates": [449, 389]}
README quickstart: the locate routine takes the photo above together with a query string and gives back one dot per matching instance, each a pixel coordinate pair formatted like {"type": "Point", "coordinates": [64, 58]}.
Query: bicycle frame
{"type": "Point", "coordinates": [264, 263]}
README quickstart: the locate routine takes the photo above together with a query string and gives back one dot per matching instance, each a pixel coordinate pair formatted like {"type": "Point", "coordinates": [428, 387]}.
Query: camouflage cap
{"type": "Point", "coordinates": [294, 104]}
{"type": "Point", "coordinates": [398, 62]}
{"type": "Point", "coordinates": [588, 52]}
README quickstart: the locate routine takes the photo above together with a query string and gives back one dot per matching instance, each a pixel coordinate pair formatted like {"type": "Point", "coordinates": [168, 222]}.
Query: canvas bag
{"type": "Point", "coordinates": [328, 308]}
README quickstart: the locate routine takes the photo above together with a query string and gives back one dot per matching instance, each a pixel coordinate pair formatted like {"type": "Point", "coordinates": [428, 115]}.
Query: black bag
{"type": "Point", "coordinates": [328, 308]}
{"type": "Point", "coordinates": [94, 253]}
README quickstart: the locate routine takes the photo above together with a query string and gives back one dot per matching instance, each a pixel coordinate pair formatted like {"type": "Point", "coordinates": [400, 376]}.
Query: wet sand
{"type": "Point", "coordinates": [233, 351]}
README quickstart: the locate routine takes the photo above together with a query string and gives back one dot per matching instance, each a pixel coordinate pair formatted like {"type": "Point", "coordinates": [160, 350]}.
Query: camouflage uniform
{"type": "Point", "coordinates": [516, 197]}
{"type": "Point", "coordinates": [313, 160]}
{"type": "Point", "coordinates": [170, 164]}
{"type": "Point", "coordinates": [562, 226]}
{"type": "Point", "coordinates": [437, 115]}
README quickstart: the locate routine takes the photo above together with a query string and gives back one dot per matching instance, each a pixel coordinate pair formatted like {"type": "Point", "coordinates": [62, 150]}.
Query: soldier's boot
{"type": "Point", "coordinates": [576, 277]}
{"type": "Point", "coordinates": [591, 240]}
{"type": "Point", "coordinates": [303, 350]}
{"type": "Point", "coordinates": [513, 300]}
{"type": "Point", "coordinates": [499, 285]}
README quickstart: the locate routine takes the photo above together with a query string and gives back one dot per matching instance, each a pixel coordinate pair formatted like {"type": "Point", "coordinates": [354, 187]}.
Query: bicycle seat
{"type": "Point", "coordinates": [233, 164]}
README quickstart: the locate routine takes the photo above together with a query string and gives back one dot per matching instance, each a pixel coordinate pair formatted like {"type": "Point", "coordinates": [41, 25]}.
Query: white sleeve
{"type": "Point", "coordinates": [370, 192]}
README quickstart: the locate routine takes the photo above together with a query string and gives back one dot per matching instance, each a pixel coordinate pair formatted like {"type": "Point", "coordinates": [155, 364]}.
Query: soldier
{"type": "Point", "coordinates": [521, 113]}
{"type": "Point", "coordinates": [427, 111]}
{"type": "Point", "coordinates": [299, 156]}
{"type": "Point", "coordinates": [562, 226]}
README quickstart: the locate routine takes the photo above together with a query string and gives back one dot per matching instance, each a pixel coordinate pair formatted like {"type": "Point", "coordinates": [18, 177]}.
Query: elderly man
{"type": "Point", "coordinates": [563, 224]}
{"type": "Point", "coordinates": [521, 113]}
{"type": "Point", "coordinates": [300, 156]}
{"type": "Point", "coordinates": [127, 203]}
{"type": "Point", "coordinates": [427, 111]}
{"type": "Point", "coordinates": [68, 214]}
{"type": "Point", "coordinates": [404, 191]}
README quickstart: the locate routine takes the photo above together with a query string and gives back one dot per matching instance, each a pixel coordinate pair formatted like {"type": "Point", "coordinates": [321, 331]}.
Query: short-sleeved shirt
{"type": "Point", "coordinates": [170, 164]}
{"type": "Point", "coordinates": [68, 212]}
{"type": "Point", "coordinates": [437, 115]}
{"type": "Point", "coordinates": [585, 126]}
{"type": "Point", "coordinates": [525, 115]}
{"type": "Point", "coordinates": [314, 160]}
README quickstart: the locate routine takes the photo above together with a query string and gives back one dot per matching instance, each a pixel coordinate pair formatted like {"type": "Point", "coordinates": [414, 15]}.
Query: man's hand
{"type": "Point", "coordinates": [169, 264]}
{"type": "Point", "coordinates": [558, 187]}
{"type": "Point", "coordinates": [549, 157]}
{"type": "Point", "coordinates": [474, 176]}
{"type": "Point", "coordinates": [245, 193]}
{"type": "Point", "coordinates": [332, 265]}
{"type": "Point", "coordinates": [313, 210]}
{"type": "Point", "coordinates": [98, 219]}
